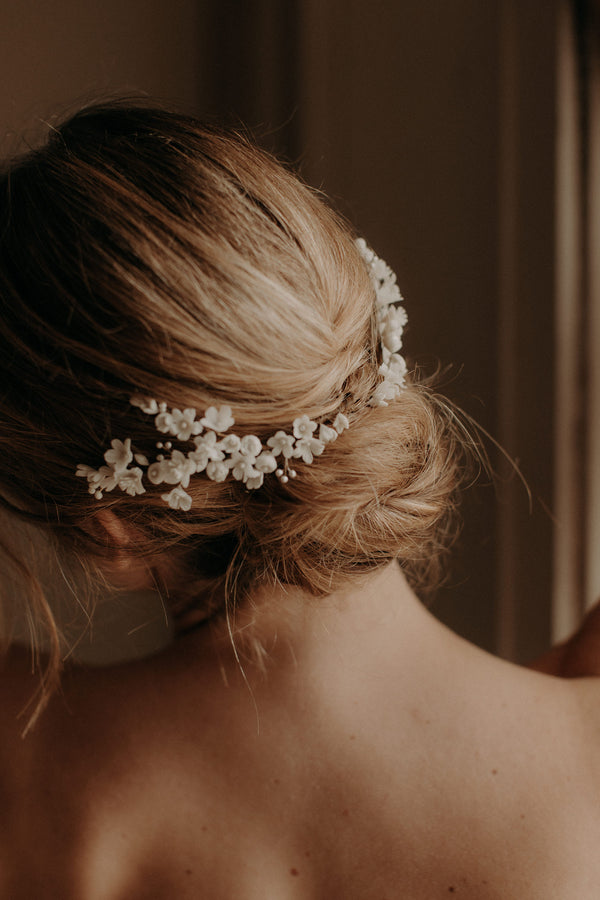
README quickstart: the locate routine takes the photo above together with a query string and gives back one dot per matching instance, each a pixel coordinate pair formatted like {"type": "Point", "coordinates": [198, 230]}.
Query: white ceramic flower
{"type": "Point", "coordinates": [341, 423]}
{"type": "Point", "coordinates": [391, 329]}
{"type": "Point", "coordinates": [84, 471]}
{"type": "Point", "coordinates": [178, 499]}
{"type": "Point", "coordinates": [380, 269]}
{"type": "Point", "coordinates": [230, 443]}
{"type": "Point", "coordinates": [207, 449]}
{"type": "Point", "coordinates": [250, 446]}
{"type": "Point", "coordinates": [391, 319]}
{"type": "Point", "coordinates": [102, 479]}
{"type": "Point", "coordinates": [178, 469]}
{"type": "Point", "coordinates": [303, 427]}
{"type": "Point", "coordinates": [395, 370]}
{"type": "Point", "coordinates": [217, 471]}
{"type": "Point", "coordinates": [388, 293]}
{"type": "Point", "coordinates": [282, 444]}
{"type": "Point", "coordinates": [130, 481]}
{"type": "Point", "coordinates": [119, 457]}
{"type": "Point", "coordinates": [164, 423]}
{"type": "Point", "coordinates": [106, 478]}
{"type": "Point", "coordinates": [147, 404]}
{"type": "Point", "coordinates": [156, 472]}
{"type": "Point", "coordinates": [243, 461]}
{"type": "Point", "coordinates": [265, 462]}
{"type": "Point", "coordinates": [209, 438]}
{"type": "Point", "coordinates": [218, 418]}
{"type": "Point", "coordinates": [200, 458]}
{"type": "Point", "coordinates": [243, 468]}
{"type": "Point", "coordinates": [365, 251]}
{"type": "Point", "coordinates": [383, 393]}
{"type": "Point", "coordinates": [327, 434]}
{"type": "Point", "coordinates": [307, 448]}
{"type": "Point", "coordinates": [185, 423]}
{"type": "Point", "coordinates": [171, 472]}
{"type": "Point", "coordinates": [255, 481]}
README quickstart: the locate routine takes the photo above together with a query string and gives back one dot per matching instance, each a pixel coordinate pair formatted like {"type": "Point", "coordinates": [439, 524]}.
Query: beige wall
{"type": "Point", "coordinates": [54, 54]}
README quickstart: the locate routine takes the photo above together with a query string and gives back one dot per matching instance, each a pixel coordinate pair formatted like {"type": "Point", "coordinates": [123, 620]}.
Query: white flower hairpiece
{"type": "Point", "coordinates": [218, 452]}
{"type": "Point", "coordinates": [391, 319]}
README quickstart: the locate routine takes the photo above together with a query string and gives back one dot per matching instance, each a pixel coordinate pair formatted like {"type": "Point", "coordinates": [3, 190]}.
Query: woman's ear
{"type": "Point", "coordinates": [120, 563]}
{"type": "Point", "coordinates": [114, 529]}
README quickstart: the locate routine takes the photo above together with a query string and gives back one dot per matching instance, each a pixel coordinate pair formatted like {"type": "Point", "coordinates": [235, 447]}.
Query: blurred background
{"type": "Point", "coordinates": [463, 140]}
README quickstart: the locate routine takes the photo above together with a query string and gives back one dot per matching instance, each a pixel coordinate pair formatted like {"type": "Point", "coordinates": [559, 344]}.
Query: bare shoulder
{"type": "Point", "coordinates": [140, 764]}
{"type": "Point", "coordinates": [20, 760]}
{"type": "Point", "coordinates": [551, 807]}
{"type": "Point", "coordinates": [515, 764]}
{"type": "Point", "coordinates": [562, 785]}
{"type": "Point", "coordinates": [59, 781]}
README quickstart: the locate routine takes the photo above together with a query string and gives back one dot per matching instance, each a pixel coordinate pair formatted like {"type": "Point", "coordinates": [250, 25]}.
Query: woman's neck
{"type": "Point", "coordinates": [284, 627]}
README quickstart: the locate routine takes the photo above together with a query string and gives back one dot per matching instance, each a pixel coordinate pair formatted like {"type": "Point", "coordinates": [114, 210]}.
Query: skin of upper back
{"type": "Point", "coordinates": [401, 763]}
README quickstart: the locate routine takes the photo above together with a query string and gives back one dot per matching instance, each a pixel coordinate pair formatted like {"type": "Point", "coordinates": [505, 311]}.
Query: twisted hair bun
{"type": "Point", "coordinates": [141, 250]}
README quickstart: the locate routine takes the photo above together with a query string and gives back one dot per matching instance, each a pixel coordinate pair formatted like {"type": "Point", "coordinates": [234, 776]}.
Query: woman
{"type": "Point", "coordinates": [203, 395]}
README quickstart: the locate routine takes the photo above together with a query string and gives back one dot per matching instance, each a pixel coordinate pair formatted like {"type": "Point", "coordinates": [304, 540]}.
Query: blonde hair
{"type": "Point", "coordinates": [141, 251]}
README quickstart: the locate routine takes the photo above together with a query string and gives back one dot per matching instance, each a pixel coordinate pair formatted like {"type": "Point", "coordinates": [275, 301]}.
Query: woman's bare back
{"type": "Point", "coordinates": [379, 757]}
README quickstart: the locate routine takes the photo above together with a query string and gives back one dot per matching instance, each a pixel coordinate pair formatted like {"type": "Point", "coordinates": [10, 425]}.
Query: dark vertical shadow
{"type": "Point", "coordinates": [250, 69]}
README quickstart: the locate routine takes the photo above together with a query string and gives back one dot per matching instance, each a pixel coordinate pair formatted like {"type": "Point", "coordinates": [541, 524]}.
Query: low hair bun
{"type": "Point", "coordinates": [388, 489]}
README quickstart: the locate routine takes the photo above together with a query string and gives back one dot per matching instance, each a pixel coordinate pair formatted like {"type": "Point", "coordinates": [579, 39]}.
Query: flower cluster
{"type": "Point", "coordinates": [218, 452]}
{"type": "Point", "coordinates": [391, 319]}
